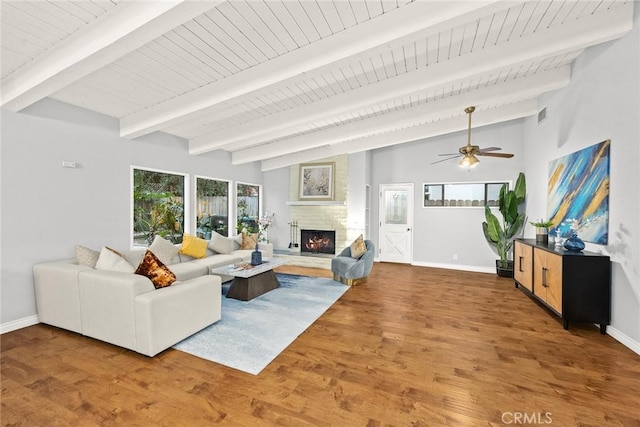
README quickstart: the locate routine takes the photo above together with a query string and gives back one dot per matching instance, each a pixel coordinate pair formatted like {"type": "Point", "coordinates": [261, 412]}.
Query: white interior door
{"type": "Point", "coordinates": [396, 222]}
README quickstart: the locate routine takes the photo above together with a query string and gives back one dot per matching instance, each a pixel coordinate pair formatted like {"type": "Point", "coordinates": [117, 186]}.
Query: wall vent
{"type": "Point", "coordinates": [542, 115]}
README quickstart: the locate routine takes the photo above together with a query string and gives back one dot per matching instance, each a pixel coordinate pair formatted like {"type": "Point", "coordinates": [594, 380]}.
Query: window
{"type": "Point", "coordinates": [468, 194]}
{"type": "Point", "coordinates": [158, 206]}
{"type": "Point", "coordinates": [248, 207]}
{"type": "Point", "coordinates": [396, 206]}
{"type": "Point", "coordinates": [433, 194]}
{"type": "Point", "coordinates": [493, 193]}
{"type": "Point", "coordinates": [212, 207]}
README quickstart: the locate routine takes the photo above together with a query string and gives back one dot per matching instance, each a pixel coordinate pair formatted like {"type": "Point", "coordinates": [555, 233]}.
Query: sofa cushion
{"type": "Point", "coordinates": [113, 260]}
{"type": "Point", "coordinates": [221, 244]}
{"type": "Point", "coordinates": [358, 247]}
{"type": "Point", "coordinates": [216, 261]}
{"type": "Point", "coordinates": [189, 270]}
{"type": "Point", "coordinates": [193, 246]}
{"type": "Point", "coordinates": [165, 250]}
{"type": "Point", "coordinates": [87, 257]}
{"type": "Point", "coordinates": [155, 270]}
{"type": "Point", "coordinates": [249, 240]}
{"type": "Point", "coordinates": [186, 258]}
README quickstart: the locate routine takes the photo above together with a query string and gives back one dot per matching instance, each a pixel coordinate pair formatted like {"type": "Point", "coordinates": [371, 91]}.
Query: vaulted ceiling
{"type": "Point", "coordinates": [290, 81]}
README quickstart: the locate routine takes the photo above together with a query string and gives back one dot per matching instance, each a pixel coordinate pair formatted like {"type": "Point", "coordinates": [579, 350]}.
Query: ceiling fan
{"type": "Point", "coordinates": [469, 152]}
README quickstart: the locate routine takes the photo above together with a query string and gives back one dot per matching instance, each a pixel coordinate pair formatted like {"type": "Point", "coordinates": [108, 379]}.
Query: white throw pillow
{"type": "Point", "coordinates": [87, 257]}
{"type": "Point", "coordinates": [237, 242]}
{"type": "Point", "coordinates": [221, 244]}
{"type": "Point", "coordinates": [164, 250]}
{"type": "Point", "coordinates": [112, 261]}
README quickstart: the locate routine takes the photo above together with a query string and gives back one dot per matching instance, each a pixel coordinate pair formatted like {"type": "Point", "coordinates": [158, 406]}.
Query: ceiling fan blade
{"type": "Point", "coordinates": [484, 150]}
{"type": "Point", "coordinates": [444, 160]}
{"type": "Point", "coordinates": [450, 154]}
{"type": "Point", "coordinates": [504, 155]}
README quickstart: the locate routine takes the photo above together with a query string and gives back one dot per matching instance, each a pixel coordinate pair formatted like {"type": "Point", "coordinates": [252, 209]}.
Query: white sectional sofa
{"type": "Point", "coordinates": [126, 309]}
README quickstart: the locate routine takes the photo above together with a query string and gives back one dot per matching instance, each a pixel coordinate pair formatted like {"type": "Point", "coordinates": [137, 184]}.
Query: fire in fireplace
{"type": "Point", "coordinates": [318, 241]}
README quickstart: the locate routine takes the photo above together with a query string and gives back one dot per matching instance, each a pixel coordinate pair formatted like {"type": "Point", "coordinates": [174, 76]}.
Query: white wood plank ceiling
{"type": "Point", "coordinates": [289, 81]}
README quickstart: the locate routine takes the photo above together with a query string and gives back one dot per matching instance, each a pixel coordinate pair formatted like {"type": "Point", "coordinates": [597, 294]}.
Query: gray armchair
{"type": "Point", "coordinates": [352, 271]}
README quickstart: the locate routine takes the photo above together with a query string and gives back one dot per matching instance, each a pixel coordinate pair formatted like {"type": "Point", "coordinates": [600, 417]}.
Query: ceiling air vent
{"type": "Point", "coordinates": [542, 115]}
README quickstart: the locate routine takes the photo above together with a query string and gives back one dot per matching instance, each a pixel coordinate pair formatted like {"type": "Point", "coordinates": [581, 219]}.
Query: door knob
{"type": "Point", "coordinates": [408, 229]}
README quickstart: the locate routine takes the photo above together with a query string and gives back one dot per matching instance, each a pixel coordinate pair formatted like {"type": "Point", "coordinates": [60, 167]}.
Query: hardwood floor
{"type": "Point", "coordinates": [414, 346]}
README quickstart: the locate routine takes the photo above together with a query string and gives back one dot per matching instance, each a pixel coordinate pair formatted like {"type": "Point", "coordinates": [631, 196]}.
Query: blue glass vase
{"type": "Point", "coordinates": [256, 256]}
{"type": "Point", "coordinates": [574, 243]}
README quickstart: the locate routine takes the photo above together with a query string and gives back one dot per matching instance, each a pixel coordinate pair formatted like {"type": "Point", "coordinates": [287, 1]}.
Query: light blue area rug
{"type": "Point", "coordinates": [252, 333]}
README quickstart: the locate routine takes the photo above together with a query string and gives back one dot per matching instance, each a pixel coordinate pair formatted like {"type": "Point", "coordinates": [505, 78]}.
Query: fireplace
{"type": "Point", "coordinates": [318, 242]}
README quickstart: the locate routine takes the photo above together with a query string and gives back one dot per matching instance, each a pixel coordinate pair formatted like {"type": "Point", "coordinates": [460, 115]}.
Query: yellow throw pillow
{"type": "Point", "coordinates": [193, 246]}
{"type": "Point", "coordinates": [358, 247]}
{"type": "Point", "coordinates": [249, 241]}
{"type": "Point", "coordinates": [156, 271]}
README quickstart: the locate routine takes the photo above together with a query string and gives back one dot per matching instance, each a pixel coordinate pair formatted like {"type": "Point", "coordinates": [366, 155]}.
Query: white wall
{"type": "Point", "coordinates": [47, 209]}
{"type": "Point", "coordinates": [602, 102]}
{"type": "Point", "coordinates": [276, 189]}
{"type": "Point", "coordinates": [356, 198]}
{"type": "Point", "coordinates": [441, 232]}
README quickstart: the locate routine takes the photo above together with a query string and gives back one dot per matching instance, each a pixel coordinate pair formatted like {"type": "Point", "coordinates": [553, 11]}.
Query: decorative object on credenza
{"type": "Point", "coordinates": [579, 189]}
{"type": "Point", "coordinates": [558, 239]}
{"type": "Point", "coordinates": [316, 181]}
{"type": "Point", "coordinates": [542, 230]}
{"type": "Point", "coordinates": [469, 152]}
{"type": "Point", "coordinates": [513, 220]}
{"type": "Point", "coordinates": [574, 243]}
{"type": "Point", "coordinates": [256, 256]}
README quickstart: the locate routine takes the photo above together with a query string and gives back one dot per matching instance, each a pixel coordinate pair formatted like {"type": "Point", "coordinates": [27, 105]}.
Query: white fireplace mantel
{"type": "Point", "coordinates": [316, 202]}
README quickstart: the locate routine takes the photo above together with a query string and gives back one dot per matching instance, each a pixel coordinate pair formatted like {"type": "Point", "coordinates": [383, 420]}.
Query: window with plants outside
{"type": "Point", "coordinates": [248, 207]}
{"type": "Point", "coordinates": [468, 194]}
{"type": "Point", "coordinates": [158, 206]}
{"type": "Point", "coordinates": [212, 207]}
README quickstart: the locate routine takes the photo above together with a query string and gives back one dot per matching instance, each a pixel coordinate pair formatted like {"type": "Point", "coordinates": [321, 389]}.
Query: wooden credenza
{"type": "Point", "coordinates": [575, 286]}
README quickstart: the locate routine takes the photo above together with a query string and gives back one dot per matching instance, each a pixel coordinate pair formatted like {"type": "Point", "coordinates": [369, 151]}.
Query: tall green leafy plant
{"type": "Point", "coordinates": [500, 234]}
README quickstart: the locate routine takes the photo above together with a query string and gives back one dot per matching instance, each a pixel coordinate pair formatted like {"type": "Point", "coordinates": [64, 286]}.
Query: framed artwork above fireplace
{"type": "Point", "coordinates": [316, 181]}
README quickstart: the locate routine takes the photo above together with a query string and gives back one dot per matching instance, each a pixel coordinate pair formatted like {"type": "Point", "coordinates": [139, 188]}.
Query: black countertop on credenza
{"type": "Point", "coordinates": [551, 247]}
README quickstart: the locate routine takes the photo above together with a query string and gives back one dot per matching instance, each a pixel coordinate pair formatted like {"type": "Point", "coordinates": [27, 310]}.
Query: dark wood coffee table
{"type": "Point", "coordinates": [252, 281]}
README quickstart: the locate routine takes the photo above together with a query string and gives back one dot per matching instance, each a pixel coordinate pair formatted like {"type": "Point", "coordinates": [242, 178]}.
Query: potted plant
{"type": "Point", "coordinates": [500, 235]}
{"type": "Point", "coordinates": [542, 230]}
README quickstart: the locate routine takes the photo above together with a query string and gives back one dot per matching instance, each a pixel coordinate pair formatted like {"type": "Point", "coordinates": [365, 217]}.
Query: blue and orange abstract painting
{"type": "Point", "coordinates": [578, 193]}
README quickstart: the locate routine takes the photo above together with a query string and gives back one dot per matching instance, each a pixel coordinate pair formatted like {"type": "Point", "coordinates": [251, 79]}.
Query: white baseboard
{"type": "Point", "coordinates": [19, 324]}
{"type": "Point", "coordinates": [474, 268]}
{"type": "Point", "coordinates": [626, 341]}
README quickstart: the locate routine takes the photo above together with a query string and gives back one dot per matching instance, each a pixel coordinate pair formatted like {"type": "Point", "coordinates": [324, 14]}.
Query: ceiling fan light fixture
{"type": "Point", "coordinates": [469, 161]}
{"type": "Point", "coordinates": [469, 152]}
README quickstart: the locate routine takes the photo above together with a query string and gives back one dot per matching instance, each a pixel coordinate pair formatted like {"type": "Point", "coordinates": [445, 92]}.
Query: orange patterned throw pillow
{"type": "Point", "coordinates": [156, 271]}
{"type": "Point", "coordinates": [358, 247]}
